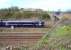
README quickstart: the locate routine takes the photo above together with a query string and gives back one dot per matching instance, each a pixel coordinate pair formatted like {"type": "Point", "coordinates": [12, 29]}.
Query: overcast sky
{"type": "Point", "coordinates": [42, 4]}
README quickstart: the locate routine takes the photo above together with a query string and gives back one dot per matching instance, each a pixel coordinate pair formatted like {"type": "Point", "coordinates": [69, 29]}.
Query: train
{"type": "Point", "coordinates": [21, 23]}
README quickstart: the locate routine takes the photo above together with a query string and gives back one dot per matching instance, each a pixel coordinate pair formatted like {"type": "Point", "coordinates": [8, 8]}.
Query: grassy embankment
{"type": "Point", "coordinates": [58, 39]}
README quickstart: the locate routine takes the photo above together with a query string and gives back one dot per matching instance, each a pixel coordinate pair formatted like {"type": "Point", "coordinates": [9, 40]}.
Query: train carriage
{"type": "Point", "coordinates": [21, 23]}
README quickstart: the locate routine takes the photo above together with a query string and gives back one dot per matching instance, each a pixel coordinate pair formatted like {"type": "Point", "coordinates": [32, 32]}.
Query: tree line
{"type": "Point", "coordinates": [22, 13]}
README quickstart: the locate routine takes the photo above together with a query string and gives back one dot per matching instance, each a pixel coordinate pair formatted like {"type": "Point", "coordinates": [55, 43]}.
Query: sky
{"type": "Point", "coordinates": [52, 5]}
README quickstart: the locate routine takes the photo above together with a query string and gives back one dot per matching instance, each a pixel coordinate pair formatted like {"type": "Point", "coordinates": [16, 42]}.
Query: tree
{"type": "Point", "coordinates": [45, 16]}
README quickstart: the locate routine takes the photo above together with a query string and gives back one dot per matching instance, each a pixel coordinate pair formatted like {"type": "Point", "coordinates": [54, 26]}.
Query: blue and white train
{"type": "Point", "coordinates": [21, 23]}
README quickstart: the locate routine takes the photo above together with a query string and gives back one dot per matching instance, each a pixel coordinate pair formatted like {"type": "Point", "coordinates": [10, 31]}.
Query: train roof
{"type": "Point", "coordinates": [21, 20]}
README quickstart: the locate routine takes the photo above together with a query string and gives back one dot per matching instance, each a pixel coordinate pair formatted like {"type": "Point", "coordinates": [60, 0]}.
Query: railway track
{"type": "Point", "coordinates": [17, 38]}
{"type": "Point", "coordinates": [24, 30]}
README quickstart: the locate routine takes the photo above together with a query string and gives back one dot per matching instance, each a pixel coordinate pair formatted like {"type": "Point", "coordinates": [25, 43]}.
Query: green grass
{"type": "Point", "coordinates": [60, 38]}
{"type": "Point", "coordinates": [57, 39]}
{"type": "Point", "coordinates": [62, 31]}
